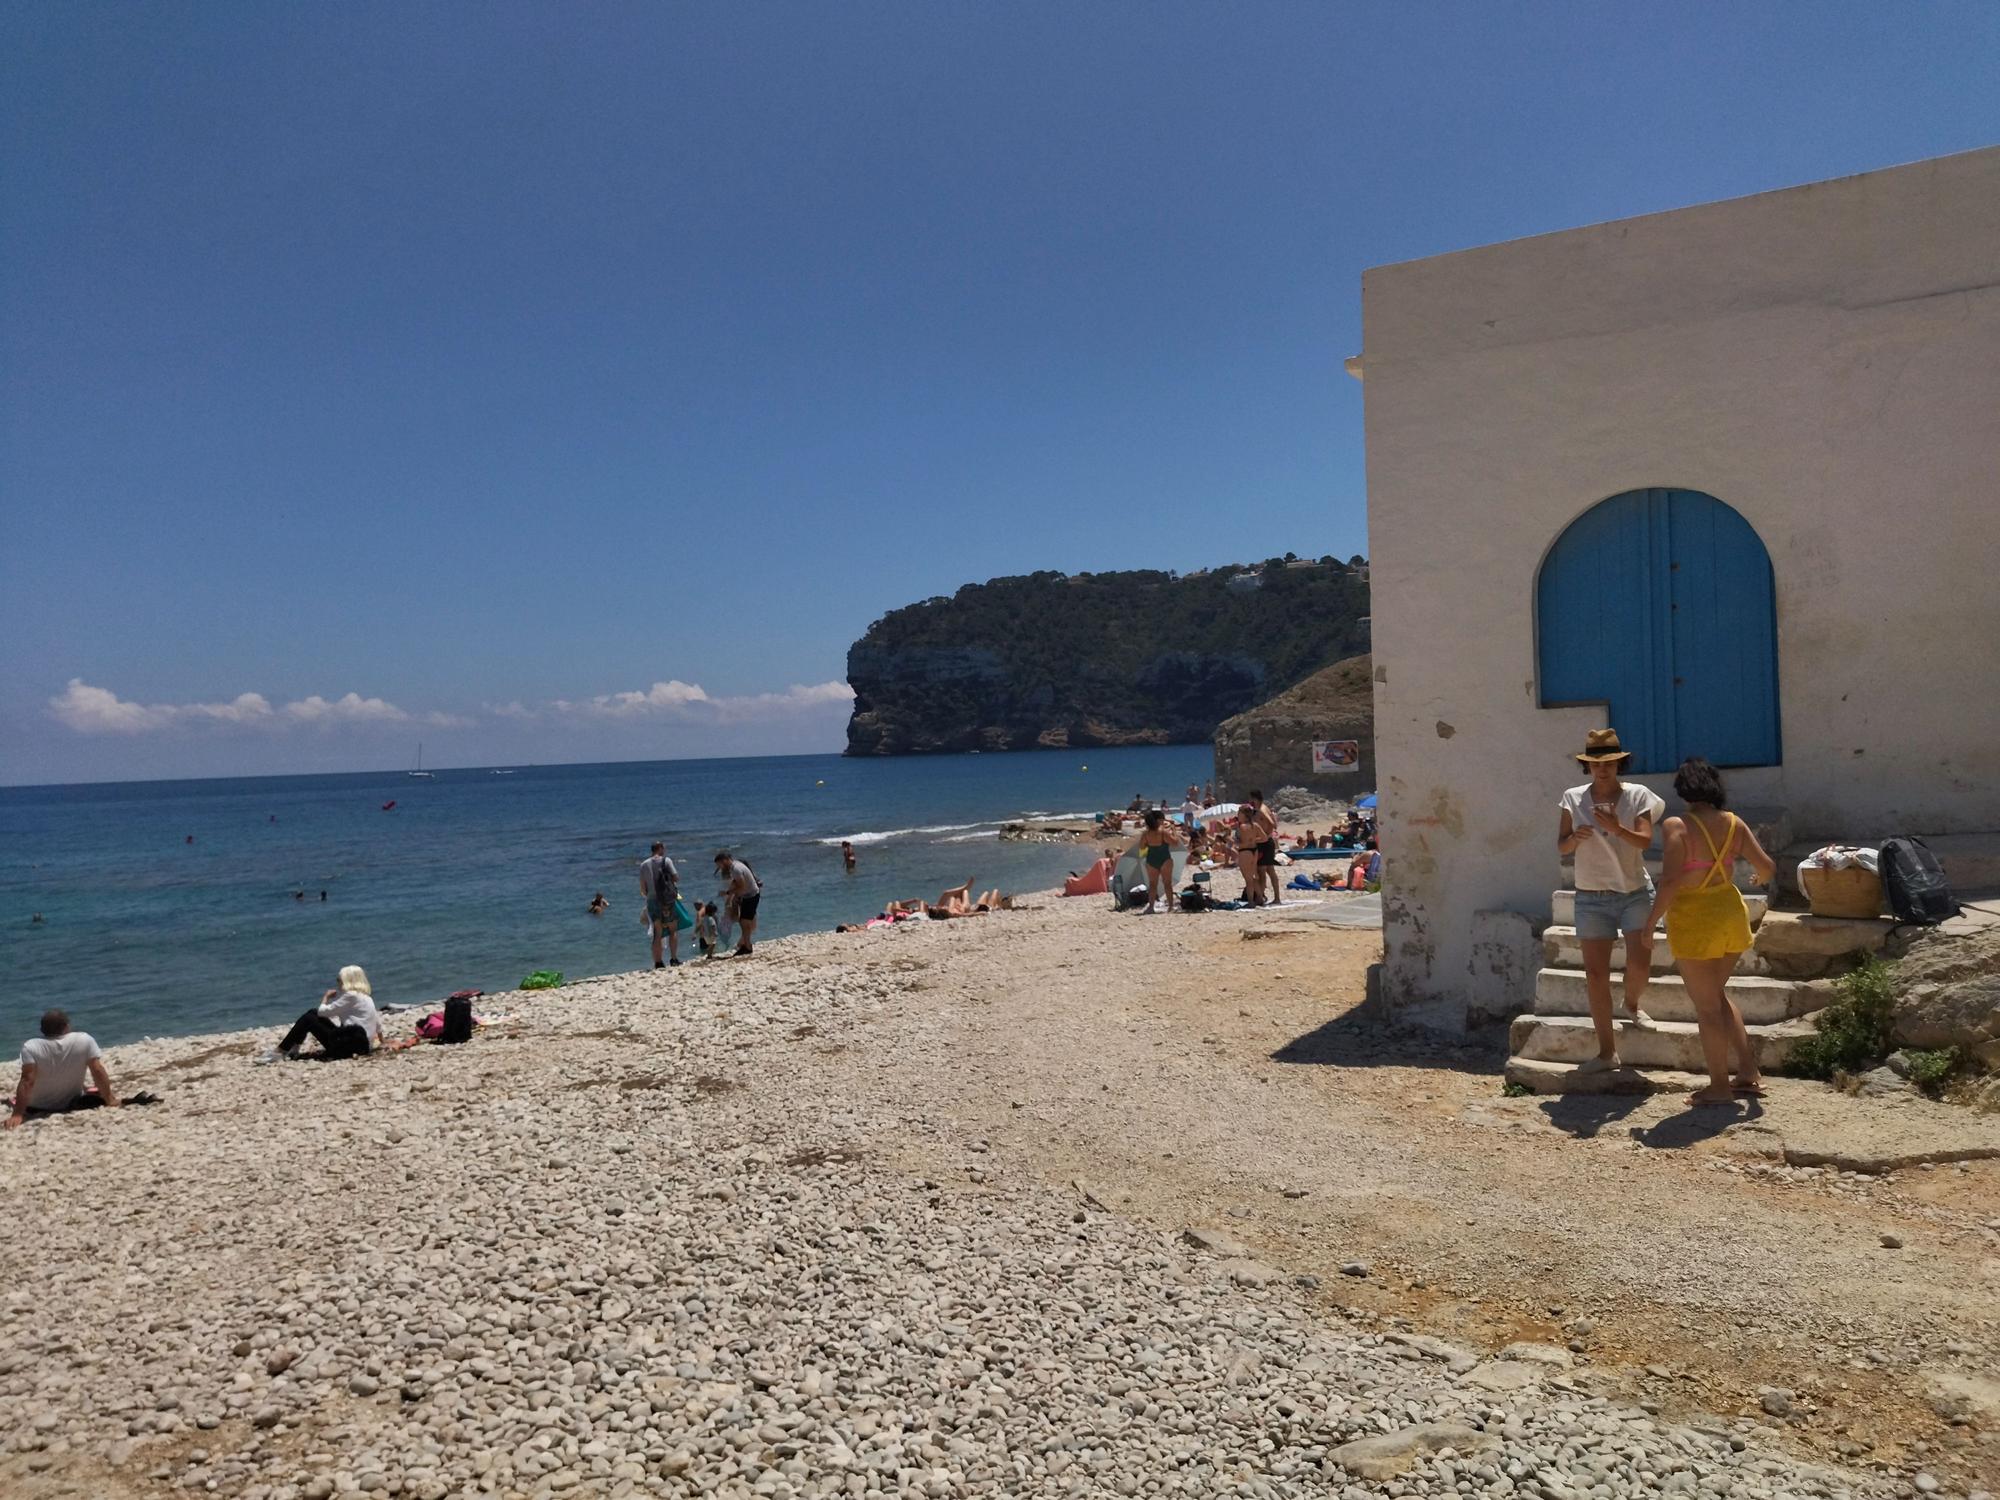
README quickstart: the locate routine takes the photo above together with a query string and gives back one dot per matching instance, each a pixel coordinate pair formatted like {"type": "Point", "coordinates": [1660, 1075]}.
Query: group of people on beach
{"type": "Point", "coordinates": [955, 901]}
{"type": "Point", "coordinates": [1606, 825]}
{"type": "Point", "coordinates": [666, 915]}
{"type": "Point", "coordinates": [1249, 840]}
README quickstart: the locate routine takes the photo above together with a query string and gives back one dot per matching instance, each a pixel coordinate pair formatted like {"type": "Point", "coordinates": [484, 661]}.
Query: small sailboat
{"type": "Point", "coordinates": [420, 774]}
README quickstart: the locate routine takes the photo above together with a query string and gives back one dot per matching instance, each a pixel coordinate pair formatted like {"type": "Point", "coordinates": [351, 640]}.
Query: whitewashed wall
{"type": "Point", "coordinates": [1825, 359]}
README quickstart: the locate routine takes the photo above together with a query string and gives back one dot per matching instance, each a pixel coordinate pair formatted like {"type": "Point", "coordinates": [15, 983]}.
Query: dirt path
{"type": "Point", "coordinates": [1214, 1071]}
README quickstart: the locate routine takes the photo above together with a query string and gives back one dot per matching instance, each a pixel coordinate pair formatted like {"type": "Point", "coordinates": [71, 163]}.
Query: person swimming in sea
{"type": "Point", "coordinates": [598, 905]}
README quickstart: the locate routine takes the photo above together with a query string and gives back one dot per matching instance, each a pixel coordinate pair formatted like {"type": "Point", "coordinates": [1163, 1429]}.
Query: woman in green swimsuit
{"type": "Point", "coordinates": [1156, 847]}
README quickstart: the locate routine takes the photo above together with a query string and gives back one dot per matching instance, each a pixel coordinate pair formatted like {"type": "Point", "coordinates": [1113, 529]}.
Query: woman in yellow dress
{"type": "Point", "coordinates": [1708, 926]}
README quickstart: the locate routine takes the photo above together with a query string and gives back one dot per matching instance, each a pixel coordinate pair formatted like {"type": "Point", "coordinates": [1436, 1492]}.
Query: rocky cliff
{"type": "Point", "coordinates": [1139, 658]}
{"type": "Point", "coordinates": [1270, 745]}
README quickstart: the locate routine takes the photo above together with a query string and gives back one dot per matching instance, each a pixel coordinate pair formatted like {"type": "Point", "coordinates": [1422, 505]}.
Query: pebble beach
{"type": "Point", "coordinates": [641, 1237]}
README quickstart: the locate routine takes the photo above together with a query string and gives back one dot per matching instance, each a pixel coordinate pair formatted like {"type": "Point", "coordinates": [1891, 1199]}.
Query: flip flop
{"type": "Point", "coordinates": [1752, 1090]}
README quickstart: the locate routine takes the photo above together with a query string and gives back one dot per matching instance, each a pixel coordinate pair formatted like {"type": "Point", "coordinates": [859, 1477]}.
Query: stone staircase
{"type": "Point", "coordinates": [1778, 985]}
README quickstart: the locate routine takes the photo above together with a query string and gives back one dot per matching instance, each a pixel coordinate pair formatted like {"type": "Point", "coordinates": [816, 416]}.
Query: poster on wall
{"type": "Point", "coordinates": [1331, 756]}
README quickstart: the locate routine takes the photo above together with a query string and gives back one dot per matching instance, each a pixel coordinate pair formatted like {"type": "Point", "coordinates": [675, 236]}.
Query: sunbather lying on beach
{"type": "Point", "coordinates": [955, 902]}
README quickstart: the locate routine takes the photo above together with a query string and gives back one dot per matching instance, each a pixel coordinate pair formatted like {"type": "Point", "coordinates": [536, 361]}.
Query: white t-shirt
{"type": "Point", "coordinates": [61, 1064]}
{"type": "Point", "coordinates": [1611, 864]}
{"type": "Point", "coordinates": [352, 1008]}
{"type": "Point", "coordinates": [1190, 809]}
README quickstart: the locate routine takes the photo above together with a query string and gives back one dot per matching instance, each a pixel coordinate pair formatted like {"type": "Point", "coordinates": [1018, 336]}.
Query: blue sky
{"type": "Point", "coordinates": [450, 371]}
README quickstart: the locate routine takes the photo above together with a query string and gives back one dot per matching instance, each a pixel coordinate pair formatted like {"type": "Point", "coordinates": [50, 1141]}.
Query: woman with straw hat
{"type": "Point", "coordinates": [1607, 826]}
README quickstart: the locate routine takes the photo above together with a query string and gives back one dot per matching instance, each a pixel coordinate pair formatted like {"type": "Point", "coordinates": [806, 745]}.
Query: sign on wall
{"type": "Point", "coordinates": [1336, 755]}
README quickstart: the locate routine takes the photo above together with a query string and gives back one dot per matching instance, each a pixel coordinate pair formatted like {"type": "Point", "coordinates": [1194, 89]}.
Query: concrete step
{"type": "Point", "coordinates": [1764, 1002]}
{"type": "Point", "coordinates": [1562, 907]}
{"type": "Point", "coordinates": [1668, 1044]}
{"type": "Point", "coordinates": [1563, 949]}
{"type": "Point", "coordinates": [1563, 1078]}
{"type": "Point", "coordinates": [1797, 935]}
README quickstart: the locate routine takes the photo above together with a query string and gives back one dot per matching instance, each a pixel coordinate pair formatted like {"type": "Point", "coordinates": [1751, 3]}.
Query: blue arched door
{"type": "Point", "coordinates": [1660, 603]}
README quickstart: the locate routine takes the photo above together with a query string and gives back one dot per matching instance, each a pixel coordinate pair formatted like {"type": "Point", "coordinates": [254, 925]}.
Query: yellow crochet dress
{"type": "Point", "coordinates": [1709, 920]}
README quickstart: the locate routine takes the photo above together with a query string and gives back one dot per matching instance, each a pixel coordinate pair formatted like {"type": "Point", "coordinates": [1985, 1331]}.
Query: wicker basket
{"type": "Point", "coordinates": [1851, 892]}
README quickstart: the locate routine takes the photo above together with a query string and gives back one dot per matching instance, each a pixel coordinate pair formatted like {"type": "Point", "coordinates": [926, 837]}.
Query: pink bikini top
{"type": "Point", "coordinates": [1715, 859]}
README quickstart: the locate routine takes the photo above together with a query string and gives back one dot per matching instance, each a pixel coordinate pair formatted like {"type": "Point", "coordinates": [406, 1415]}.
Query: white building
{"type": "Point", "coordinates": [1726, 478]}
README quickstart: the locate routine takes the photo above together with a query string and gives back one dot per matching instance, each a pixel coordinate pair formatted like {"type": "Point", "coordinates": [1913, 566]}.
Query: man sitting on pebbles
{"type": "Point", "coordinates": [53, 1067]}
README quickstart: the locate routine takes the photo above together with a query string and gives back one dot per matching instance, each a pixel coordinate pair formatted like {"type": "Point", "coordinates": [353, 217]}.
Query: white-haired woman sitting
{"type": "Point", "coordinates": [345, 1022]}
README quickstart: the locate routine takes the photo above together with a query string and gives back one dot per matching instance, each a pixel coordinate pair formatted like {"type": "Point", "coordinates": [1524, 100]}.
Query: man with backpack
{"type": "Point", "coordinates": [660, 883]}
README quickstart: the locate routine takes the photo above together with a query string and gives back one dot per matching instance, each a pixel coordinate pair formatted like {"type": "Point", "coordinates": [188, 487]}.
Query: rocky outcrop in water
{"type": "Point", "coordinates": [1270, 746]}
{"type": "Point", "coordinates": [1052, 661]}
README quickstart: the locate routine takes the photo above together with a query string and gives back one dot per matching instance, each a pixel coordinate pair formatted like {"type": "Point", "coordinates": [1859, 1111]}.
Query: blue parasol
{"type": "Point", "coordinates": [1367, 801]}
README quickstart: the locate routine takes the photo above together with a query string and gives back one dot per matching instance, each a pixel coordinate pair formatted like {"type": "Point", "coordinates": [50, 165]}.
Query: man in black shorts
{"type": "Point", "coordinates": [741, 886]}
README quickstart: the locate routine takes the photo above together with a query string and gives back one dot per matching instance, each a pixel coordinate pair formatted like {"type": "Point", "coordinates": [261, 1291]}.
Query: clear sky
{"type": "Point", "coordinates": [371, 373]}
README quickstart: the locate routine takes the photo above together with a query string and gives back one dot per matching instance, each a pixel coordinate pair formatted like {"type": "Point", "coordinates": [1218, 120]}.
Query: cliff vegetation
{"type": "Point", "coordinates": [1133, 658]}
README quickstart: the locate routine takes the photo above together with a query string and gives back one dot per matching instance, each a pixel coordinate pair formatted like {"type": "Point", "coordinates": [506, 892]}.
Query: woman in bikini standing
{"type": "Point", "coordinates": [1708, 926]}
{"type": "Point", "coordinates": [1253, 846]}
{"type": "Point", "coordinates": [1156, 847]}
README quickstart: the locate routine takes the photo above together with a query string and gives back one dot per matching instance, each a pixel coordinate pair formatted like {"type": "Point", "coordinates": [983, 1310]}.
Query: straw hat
{"type": "Point", "coordinates": [1602, 744]}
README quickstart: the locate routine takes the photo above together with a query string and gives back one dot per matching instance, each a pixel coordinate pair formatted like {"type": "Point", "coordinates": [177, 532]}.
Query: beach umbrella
{"type": "Point", "coordinates": [1219, 812]}
{"type": "Point", "coordinates": [1367, 801]}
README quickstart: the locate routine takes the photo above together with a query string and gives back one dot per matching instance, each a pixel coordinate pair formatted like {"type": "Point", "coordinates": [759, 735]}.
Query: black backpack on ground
{"type": "Point", "coordinates": [458, 1018]}
{"type": "Point", "coordinates": [1914, 882]}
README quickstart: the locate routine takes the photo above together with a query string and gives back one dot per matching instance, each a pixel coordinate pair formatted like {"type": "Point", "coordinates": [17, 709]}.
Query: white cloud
{"type": "Point", "coordinates": [796, 699]}
{"type": "Point", "coordinates": [661, 697]}
{"type": "Point", "coordinates": [690, 702]}
{"type": "Point", "coordinates": [353, 709]}
{"type": "Point", "coordinates": [96, 710]}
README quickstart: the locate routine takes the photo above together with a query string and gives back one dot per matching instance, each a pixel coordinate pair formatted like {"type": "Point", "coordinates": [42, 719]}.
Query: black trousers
{"type": "Point", "coordinates": [336, 1041]}
{"type": "Point", "coordinates": [81, 1101]}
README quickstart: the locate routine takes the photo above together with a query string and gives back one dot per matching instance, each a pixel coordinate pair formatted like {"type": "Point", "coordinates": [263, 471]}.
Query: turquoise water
{"type": "Point", "coordinates": [473, 879]}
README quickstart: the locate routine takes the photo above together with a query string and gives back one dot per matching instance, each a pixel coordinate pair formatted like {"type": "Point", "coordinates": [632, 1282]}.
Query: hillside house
{"type": "Point", "coordinates": [1726, 478]}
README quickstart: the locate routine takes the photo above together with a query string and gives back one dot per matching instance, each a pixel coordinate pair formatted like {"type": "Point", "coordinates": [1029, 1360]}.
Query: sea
{"type": "Point", "coordinates": [174, 908]}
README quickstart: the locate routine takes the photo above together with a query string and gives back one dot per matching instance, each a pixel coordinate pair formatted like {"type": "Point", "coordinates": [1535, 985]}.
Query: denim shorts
{"type": "Point", "coordinates": [1606, 914]}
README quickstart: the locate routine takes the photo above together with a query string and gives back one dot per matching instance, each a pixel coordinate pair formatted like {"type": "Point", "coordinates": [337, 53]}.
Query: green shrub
{"type": "Point", "coordinates": [1931, 1071]}
{"type": "Point", "coordinates": [1513, 1090]}
{"type": "Point", "coordinates": [1856, 1031]}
